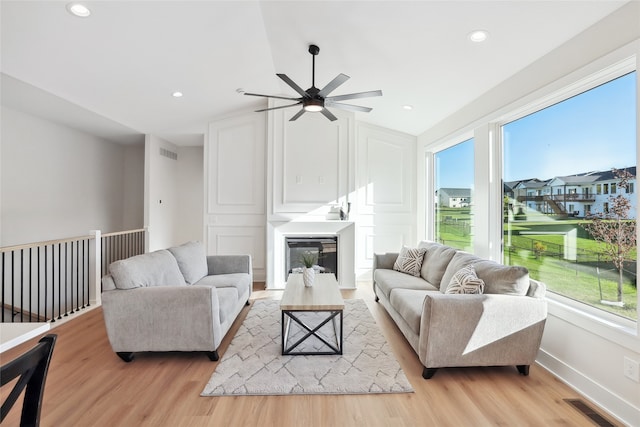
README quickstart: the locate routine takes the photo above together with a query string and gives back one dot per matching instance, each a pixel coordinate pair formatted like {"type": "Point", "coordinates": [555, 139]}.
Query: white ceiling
{"type": "Point", "coordinates": [113, 73]}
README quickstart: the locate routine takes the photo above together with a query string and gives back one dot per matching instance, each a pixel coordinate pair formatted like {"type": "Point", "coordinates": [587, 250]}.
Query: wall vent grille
{"type": "Point", "coordinates": [169, 154]}
{"type": "Point", "coordinates": [589, 412]}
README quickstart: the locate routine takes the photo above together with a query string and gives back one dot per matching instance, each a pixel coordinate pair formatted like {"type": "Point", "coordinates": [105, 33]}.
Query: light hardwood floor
{"type": "Point", "coordinates": [88, 385]}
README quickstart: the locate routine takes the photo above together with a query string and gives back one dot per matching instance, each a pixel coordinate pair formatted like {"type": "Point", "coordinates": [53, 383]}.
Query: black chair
{"type": "Point", "coordinates": [32, 369]}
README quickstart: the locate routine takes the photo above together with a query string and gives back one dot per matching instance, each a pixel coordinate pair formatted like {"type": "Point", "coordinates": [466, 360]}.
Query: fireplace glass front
{"type": "Point", "coordinates": [324, 248]}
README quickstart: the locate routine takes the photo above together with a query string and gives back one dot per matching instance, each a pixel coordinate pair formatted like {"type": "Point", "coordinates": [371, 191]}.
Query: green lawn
{"type": "Point", "coordinates": [588, 279]}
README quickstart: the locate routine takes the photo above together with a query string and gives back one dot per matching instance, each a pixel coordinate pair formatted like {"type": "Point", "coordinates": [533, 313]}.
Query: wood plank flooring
{"type": "Point", "coordinates": [88, 385]}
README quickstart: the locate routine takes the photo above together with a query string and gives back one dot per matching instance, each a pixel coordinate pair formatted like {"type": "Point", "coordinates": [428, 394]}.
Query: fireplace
{"type": "Point", "coordinates": [324, 248]}
{"type": "Point", "coordinates": [341, 232]}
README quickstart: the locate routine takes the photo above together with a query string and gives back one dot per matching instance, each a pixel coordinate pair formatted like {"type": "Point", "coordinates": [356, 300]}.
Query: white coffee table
{"type": "Point", "coordinates": [323, 297]}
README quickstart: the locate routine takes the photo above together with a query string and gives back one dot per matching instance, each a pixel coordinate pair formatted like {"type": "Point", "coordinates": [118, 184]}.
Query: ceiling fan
{"type": "Point", "coordinates": [316, 100]}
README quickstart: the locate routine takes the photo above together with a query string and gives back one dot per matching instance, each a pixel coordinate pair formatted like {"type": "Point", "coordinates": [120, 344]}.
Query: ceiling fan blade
{"type": "Point", "coordinates": [298, 114]}
{"type": "Point", "coordinates": [295, 87]}
{"type": "Point", "coordinates": [273, 96]}
{"type": "Point", "coordinates": [277, 108]}
{"type": "Point", "coordinates": [328, 114]}
{"type": "Point", "coordinates": [349, 107]}
{"type": "Point", "coordinates": [355, 95]}
{"type": "Point", "coordinates": [333, 84]}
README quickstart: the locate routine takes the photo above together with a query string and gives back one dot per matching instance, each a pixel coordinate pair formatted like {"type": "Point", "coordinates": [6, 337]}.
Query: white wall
{"type": "Point", "coordinates": [261, 174]}
{"type": "Point", "coordinates": [173, 193]}
{"type": "Point", "coordinates": [579, 348]}
{"type": "Point", "coordinates": [133, 194]}
{"type": "Point", "coordinates": [190, 195]}
{"type": "Point", "coordinates": [58, 182]}
{"type": "Point", "coordinates": [385, 211]}
{"type": "Point", "coordinates": [235, 175]}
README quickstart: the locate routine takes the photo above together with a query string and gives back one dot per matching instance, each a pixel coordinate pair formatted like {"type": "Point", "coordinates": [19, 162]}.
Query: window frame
{"type": "Point", "coordinates": [617, 328]}
{"type": "Point", "coordinates": [450, 143]}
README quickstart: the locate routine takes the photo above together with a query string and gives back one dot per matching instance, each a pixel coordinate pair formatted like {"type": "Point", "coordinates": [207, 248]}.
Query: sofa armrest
{"type": "Point", "coordinates": [480, 330]}
{"type": "Point", "coordinates": [163, 318]}
{"type": "Point", "coordinates": [385, 260]}
{"type": "Point", "coordinates": [226, 264]}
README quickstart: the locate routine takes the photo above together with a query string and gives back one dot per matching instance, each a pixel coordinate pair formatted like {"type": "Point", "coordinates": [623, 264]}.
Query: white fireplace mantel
{"type": "Point", "coordinates": [277, 231]}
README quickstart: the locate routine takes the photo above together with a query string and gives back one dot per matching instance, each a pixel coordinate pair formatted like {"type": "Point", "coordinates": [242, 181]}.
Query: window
{"type": "Point", "coordinates": [454, 196]}
{"type": "Point", "coordinates": [569, 256]}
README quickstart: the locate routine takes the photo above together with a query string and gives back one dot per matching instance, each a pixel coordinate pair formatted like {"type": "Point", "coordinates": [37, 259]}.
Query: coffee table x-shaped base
{"type": "Point", "coordinates": [334, 316]}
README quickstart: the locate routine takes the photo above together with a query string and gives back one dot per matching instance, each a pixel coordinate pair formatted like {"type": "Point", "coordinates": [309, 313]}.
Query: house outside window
{"type": "Point", "coordinates": [570, 260]}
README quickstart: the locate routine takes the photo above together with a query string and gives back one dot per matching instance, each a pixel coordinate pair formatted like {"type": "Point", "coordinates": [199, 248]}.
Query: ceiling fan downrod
{"type": "Point", "coordinates": [313, 50]}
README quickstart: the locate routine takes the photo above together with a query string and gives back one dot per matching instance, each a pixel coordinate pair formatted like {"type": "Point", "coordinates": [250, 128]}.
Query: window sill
{"type": "Point", "coordinates": [613, 328]}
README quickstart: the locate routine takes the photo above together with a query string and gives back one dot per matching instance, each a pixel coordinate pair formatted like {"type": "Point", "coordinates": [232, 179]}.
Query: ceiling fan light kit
{"type": "Point", "coordinates": [316, 100]}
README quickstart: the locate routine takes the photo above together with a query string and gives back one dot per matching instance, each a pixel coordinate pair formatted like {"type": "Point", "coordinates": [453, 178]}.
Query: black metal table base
{"type": "Point", "coordinates": [311, 331]}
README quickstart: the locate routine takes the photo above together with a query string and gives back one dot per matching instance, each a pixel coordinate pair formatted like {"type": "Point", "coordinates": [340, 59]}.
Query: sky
{"type": "Point", "coordinates": [595, 130]}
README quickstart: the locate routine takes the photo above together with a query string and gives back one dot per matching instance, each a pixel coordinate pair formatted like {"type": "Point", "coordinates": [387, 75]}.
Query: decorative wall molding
{"type": "Point", "coordinates": [309, 162]}
{"type": "Point", "coordinates": [235, 189]}
{"type": "Point", "coordinates": [235, 157]}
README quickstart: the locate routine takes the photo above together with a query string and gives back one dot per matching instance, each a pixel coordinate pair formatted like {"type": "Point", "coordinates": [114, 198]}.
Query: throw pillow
{"type": "Point", "coordinates": [465, 281]}
{"type": "Point", "coordinates": [409, 261]}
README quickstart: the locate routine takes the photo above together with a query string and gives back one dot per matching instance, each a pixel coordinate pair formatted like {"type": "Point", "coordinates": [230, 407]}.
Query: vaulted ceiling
{"type": "Point", "coordinates": [114, 72]}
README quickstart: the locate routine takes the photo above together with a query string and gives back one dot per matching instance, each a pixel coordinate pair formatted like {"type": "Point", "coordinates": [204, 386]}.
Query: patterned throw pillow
{"type": "Point", "coordinates": [410, 261]}
{"type": "Point", "coordinates": [465, 281]}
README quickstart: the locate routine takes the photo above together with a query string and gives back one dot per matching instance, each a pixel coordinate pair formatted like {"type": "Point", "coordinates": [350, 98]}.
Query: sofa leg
{"type": "Point", "coordinates": [377, 299]}
{"type": "Point", "coordinates": [523, 369]}
{"type": "Point", "coordinates": [213, 355]}
{"type": "Point", "coordinates": [427, 373]}
{"type": "Point", "coordinates": [247, 303]}
{"type": "Point", "coordinates": [125, 355]}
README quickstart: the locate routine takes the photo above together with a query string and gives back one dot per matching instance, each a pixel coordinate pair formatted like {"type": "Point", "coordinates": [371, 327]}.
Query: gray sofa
{"type": "Point", "coordinates": [502, 326]}
{"type": "Point", "coordinates": [177, 299]}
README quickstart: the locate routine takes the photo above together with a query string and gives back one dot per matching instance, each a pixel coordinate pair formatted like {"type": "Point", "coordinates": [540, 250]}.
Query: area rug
{"type": "Point", "coordinates": [253, 363]}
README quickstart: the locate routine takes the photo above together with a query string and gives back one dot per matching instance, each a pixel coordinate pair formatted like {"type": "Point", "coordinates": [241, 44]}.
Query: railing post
{"type": "Point", "coordinates": [147, 232]}
{"type": "Point", "coordinates": [95, 269]}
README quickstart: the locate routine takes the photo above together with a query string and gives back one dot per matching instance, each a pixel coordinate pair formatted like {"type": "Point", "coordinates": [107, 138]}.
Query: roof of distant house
{"type": "Point", "coordinates": [455, 192]}
{"type": "Point", "coordinates": [579, 178]}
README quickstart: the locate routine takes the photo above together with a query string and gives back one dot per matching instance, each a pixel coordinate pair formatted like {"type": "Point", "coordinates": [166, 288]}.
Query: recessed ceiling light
{"type": "Point", "coordinates": [78, 9]}
{"type": "Point", "coordinates": [478, 36]}
{"type": "Point", "coordinates": [408, 107]}
{"type": "Point", "coordinates": [177, 94]}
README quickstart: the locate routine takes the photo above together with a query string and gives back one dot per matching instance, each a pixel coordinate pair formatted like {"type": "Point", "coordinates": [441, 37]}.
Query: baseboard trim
{"type": "Point", "coordinates": [615, 405]}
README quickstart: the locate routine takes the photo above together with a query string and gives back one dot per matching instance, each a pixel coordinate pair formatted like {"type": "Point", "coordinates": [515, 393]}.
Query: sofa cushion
{"type": "Point", "coordinates": [459, 260]}
{"type": "Point", "coordinates": [409, 261]}
{"type": "Point", "coordinates": [502, 279]}
{"type": "Point", "coordinates": [435, 262]}
{"type": "Point", "coordinates": [240, 281]}
{"type": "Point", "coordinates": [157, 268]}
{"type": "Point", "coordinates": [465, 281]}
{"type": "Point", "coordinates": [386, 280]}
{"type": "Point", "coordinates": [192, 261]}
{"type": "Point", "coordinates": [408, 303]}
